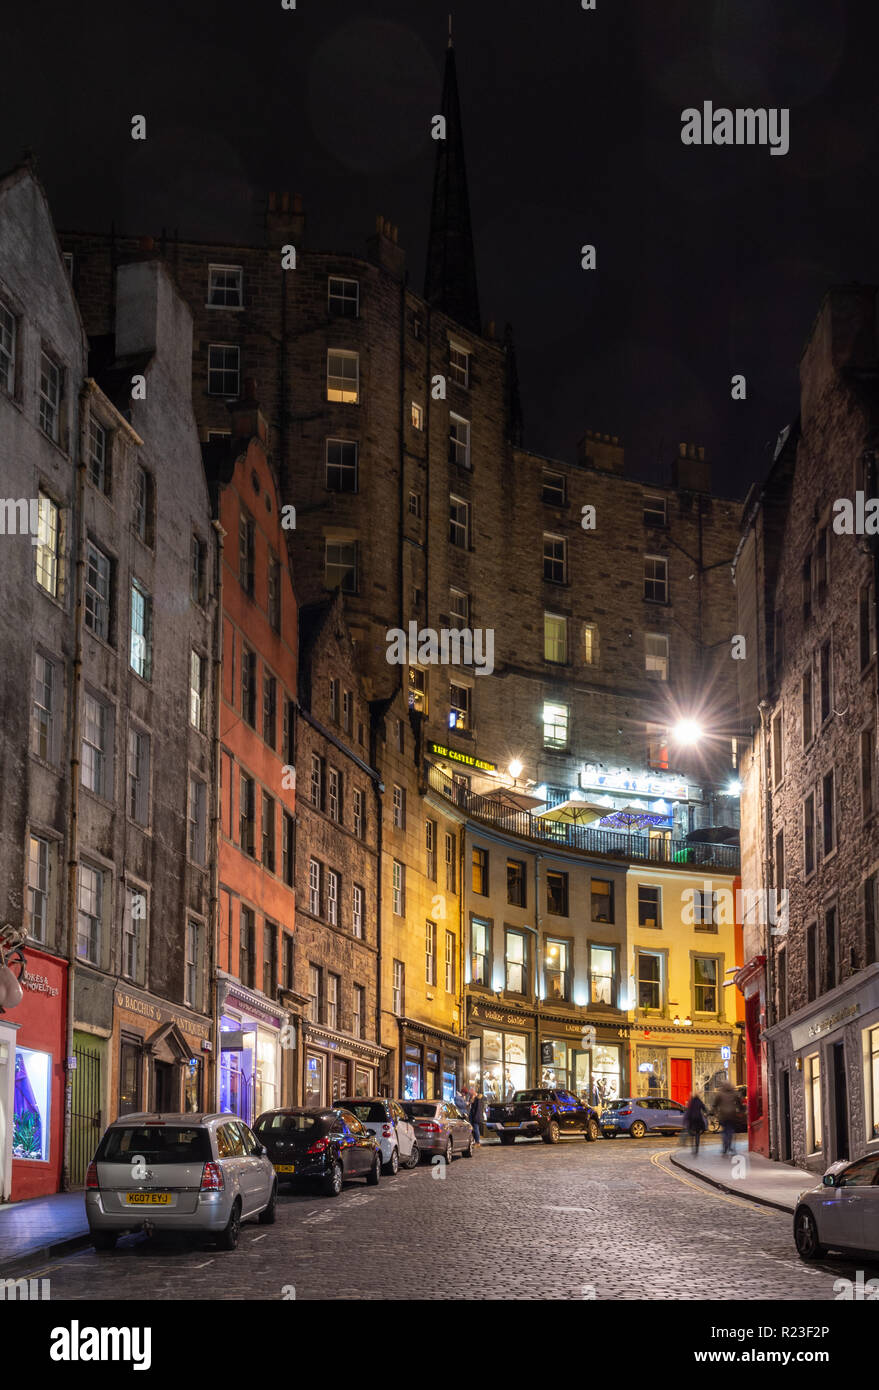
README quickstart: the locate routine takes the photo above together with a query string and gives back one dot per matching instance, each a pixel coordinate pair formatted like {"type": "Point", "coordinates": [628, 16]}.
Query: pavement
{"type": "Point", "coordinates": [746, 1174]}
{"type": "Point", "coordinates": [40, 1227]}
{"type": "Point", "coordinates": [601, 1221]}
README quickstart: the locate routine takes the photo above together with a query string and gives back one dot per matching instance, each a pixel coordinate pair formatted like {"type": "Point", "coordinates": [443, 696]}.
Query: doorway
{"type": "Point", "coordinates": [340, 1078]}
{"type": "Point", "coordinates": [840, 1103]}
{"type": "Point", "coordinates": [681, 1079]}
{"type": "Point", "coordinates": [785, 1118]}
{"type": "Point", "coordinates": [164, 1101]}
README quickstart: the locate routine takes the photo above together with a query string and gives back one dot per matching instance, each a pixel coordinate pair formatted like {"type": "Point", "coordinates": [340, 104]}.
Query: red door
{"type": "Point", "coordinates": [681, 1079]}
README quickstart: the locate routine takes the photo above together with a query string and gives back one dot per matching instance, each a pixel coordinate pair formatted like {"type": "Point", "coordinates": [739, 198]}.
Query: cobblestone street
{"type": "Point", "coordinates": [609, 1220]}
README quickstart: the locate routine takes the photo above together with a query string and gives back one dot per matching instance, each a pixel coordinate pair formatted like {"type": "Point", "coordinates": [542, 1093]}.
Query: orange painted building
{"type": "Point", "coordinates": [257, 799]}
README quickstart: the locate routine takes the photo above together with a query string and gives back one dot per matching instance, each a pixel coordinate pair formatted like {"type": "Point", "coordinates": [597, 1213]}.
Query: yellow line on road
{"type": "Point", "coordinates": [706, 1188]}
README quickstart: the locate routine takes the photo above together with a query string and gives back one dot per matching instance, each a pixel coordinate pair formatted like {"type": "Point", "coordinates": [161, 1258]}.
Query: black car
{"type": "Point", "coordinates": [317, 1145]}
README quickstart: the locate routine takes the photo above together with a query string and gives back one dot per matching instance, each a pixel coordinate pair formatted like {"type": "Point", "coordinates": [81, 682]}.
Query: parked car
{"type": "Point", "coordinates": [200, 1173]}
{"type": "Point", "coordinates": [547, 1113]}
{"type": "Point", "coordinates": [440, 1128]}
{"type": "Point", "coordinates": [389, 1122]}
{"type": "Point", "coordinates": [842, 1212]}
{"type": "Point", "coordinates": [640, 1115]}
{"type": "Point", "coordinates": [308, 1145]}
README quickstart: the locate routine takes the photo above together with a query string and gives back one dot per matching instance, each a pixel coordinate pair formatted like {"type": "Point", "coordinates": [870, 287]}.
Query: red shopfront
{"type": "Point", "coordinates": [36, 1135]}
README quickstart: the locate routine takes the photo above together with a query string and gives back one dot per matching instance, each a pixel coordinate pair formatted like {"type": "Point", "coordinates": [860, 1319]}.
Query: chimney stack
{"type": "Point", "coordinates": [602, 451]}
{"type": "Point", "coordinates": [691, 471]}
{"type": "Point", "coordinates": [285, 220]}
{"type": "Point", "coordinates": [247, 420]}
{"type": "Point", "coordinates": [382, 248]}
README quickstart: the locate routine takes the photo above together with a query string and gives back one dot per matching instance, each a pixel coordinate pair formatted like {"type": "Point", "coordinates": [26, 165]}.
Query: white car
{"type": "Point", "coordinates": [389, 1122]}
{"type": "Point", "coordinates": [841, 1214]}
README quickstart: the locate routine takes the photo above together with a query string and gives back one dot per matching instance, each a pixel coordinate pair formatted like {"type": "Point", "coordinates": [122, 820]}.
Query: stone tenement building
{"type": "Point", "coordinates": [807, 604]}
{"type": "Point", "coordinates": [103, 768]}
{"type": "Point", "coordinates": [397, 435]}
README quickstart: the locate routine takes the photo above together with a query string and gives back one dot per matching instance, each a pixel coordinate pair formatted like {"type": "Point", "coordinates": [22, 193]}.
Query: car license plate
{"type": "Point", "coordinates": [285, 1167]}
{"type": "Point", "coordinates": [607, 1126]}
{"type": "Point", "coordinates": [148, 1199]}
{"type": "Point", "coordinates": [511, 1124]}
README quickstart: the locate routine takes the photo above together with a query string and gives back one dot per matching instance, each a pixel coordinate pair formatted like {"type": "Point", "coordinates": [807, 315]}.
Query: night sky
{"type": "Point", "coordinates": [711, 261]}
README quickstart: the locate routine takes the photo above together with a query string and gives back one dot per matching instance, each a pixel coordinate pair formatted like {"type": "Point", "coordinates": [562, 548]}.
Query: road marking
{"type": "Point", "coordinates": [705, 1188]}
{"type": "Point", "coordinates": [589, 1210]}
{"type": "Point", "coordinates": [204, 1266]}
{"type": "Point", "coordinates": [256, 1238]}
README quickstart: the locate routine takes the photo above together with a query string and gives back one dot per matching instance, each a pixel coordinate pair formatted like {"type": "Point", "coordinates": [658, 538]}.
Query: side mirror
{"type": "Point", "coordinates": [829, 1179]}
{"type": "Point", "coordinates": [262, 1150]}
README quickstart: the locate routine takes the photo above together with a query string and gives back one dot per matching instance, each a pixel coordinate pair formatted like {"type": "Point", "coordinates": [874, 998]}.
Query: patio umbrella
{"type": "Point", "coordinates": [574, 812]}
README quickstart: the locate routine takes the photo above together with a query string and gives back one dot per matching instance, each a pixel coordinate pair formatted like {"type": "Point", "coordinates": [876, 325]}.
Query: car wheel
{"type": "Point", "coordinates": [332, 1183]}
{"type": "Point", "coordinates": [593, 1131]}
{"type": "Point", "coordinates": [507, 1138]}
{"type": "Point", "coordinates": [414, 1157]}
{"type": "Point", "coordinates": [450, 1152]}
{"type": "Point", "coordinates": [269, 1215]}
{"type": "Point", "coordinates": [373, 1177]}
{"type": "Point", "coordinates": [104, 1240]}
{"type": "Point", "coordinates": [551, 1134]}
{"type": "Point", "coordinates": [638, 1129]}
{"type": "Point", "coordinates": [229, 1237]}
{"type": "Point", "coordinates": [806, 1235]}
{"type": "Point", "coordinates": [468, 1152]}
{"type": "Point", "coordinates": [392, 1167]}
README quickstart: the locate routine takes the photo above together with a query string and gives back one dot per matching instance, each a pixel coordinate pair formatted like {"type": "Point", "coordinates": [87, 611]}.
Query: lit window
{"type": "Point", "coordinates": [555, 725]}
{"type": "Point", "coordinates": [515, 956]}
{"type": "Point", "coordinates": [197, 691]}
{"type": "Point", "coordinates": [141, 655]}
{"type": "Point", "coordinates": [417, 690]}
{"type": "Point", "coordinates": [459, 707]}
{"type": "Point", "coordinates": [555, 638]}
{"type": "Point", "coordinates": [480, 937]}
{"type": "Point", "coordinates": [417, 416]}
{"type": "Point", "coordinates": [343, 377]}
{"type": "Point", "coordinates": [47, 552]}
{"type": "Point", "coordinates": [590, 644]}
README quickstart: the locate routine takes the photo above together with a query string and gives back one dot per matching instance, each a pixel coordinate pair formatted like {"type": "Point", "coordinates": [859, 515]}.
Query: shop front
{"type": "Point", "coordinates": [431, 1062]}
{"type": "Point", "coordinates": [249, 1064]}
{"type": "Point", "coordinates": [32, 1074]}
{"type": "Point", "coordinates": [667, 1061]}
{"type": "Point", "coordinates": [512, 1049]}
{"type": "Point", "coordinates": [158, 1056]}
{"type": "Point", "coordinates": [336, 1066]}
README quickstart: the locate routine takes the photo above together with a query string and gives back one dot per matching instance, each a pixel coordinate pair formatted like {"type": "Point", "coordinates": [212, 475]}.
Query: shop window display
{"type": "Point", "coordinates": [504, 1064]}
{"type": "Point", "coordinates": [30, 1118]}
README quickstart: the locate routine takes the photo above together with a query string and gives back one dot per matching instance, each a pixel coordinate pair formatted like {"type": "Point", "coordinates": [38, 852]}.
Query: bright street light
{"type": "Point", "coordinates": [687, 731]}
{"type": "Point", "coordinates": [515, 769]}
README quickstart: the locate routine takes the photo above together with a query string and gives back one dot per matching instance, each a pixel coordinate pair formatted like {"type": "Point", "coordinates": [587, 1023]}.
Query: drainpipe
{"type": "Point", "coordinates": [214, 914]}
{"type": "Point", "coordinates": [769, 879]}
{"type": "Point", "coordinates": [77, 548]}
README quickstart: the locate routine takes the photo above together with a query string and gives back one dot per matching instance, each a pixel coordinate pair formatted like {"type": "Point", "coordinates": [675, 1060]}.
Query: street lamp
{"type": "Point", "coordinates": [688, 732]}
{"type": "Point", "coordinates": [515, 769]}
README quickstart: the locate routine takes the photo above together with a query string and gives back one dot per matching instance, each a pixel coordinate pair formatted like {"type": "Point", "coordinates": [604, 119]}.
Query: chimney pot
{"type": "Point", "coordinates": [682, 451]}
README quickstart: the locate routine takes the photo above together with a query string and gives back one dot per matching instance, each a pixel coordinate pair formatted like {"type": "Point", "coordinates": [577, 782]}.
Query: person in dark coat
{"type": "Point", "coordinates": [477, 1115]}
{"type": "Point", "coordinates": [726, 1108]}
{"type": "Point", "coordinates": [695, 1120]}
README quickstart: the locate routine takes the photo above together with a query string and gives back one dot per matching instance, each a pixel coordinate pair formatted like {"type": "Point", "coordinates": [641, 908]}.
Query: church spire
{"type": "Point", "coordinates": [450, 274]}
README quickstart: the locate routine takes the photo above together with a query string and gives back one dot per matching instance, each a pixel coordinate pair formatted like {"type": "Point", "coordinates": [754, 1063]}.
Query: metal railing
{"type": "Point", "coordinates": [610, 844]}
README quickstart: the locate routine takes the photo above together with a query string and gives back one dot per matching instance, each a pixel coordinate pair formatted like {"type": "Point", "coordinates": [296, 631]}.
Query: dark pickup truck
{"type": "Point", "coordinates": [549, 1114]}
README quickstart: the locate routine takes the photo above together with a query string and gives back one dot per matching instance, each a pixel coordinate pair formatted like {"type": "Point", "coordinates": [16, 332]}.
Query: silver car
{"type": "Point", "coordinates": [440, 1128]}
{"type": "Point", "coordinates": [389, 1122]}
{"type": "Point", "coordinates": [203, 1174]}
{"type": "Point", "coordinates": [842, 1213]}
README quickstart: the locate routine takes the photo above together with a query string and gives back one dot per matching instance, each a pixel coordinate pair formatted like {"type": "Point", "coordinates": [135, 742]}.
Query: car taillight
{"type": "Point", "coordinates": [318, 1146]}
{"type": "Point", "coordinates": [430, 1127]}
{"type": "Point", "coordinates": [212, 1179]}
{"type": "Point", "coordinates": [624, 1112]}
{"type": "Point", "coordinates": [386, 1131]}
{"type": "Point", "coordinates": [91, 1177]}
{"type": "Point", "coordinates": [535, 1110]}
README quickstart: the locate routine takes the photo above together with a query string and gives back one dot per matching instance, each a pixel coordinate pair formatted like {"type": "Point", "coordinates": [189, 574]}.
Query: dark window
{"type": "Point", "coordinates": [480, 871]}
{"type": "Point", "coordinates": [516, 893]}
{"type": "Point", "coordinates": [806, 587]}
{"type": "Point", "coordinates": [871, 946]}
{"type": "Point", "coordinates": [811, 962]}
{"type": "Point", "coordinates": [782, 982]}
{"type": "Point", "coordinates": [246, 947]}
{"type": "Point", "coordinates": [868, 772]}
{"type": "Point", "coordinates": [246, 814]}
{"type": "Point", "coordinates": [557, 894]}
{"type": "Point", "coordinates": [287, 849]}
{"type": "Point", "coordinates": [341, 465]}
{"type": "Point", "coordinates": [246, 547]}
{"type": "Point", "coordinates": [130, 1071]}
{"type": "Point", "coordinates": [270, 709]}
{"type": "Point", "coordinates": [649, 905]}
{"type": "Point", "coordinates": [268, 832]}
{"type": "Point", "coordinates": [270, 960]}
{"type": "Point", "coordinates": [831, 950]}
{"type": "Point", "coordinates": [829, 814]}
{"type": "Point", "coordinates": [826, 683]}
{"type": "Point", "coordinates": [248, 686]}
{"type": "Point", "coordinates": [809, 833]}
{"type": "Point", "coordinates": [275, 593]}
{"type": "Point", "coordinates": [807, 698]}
{"type": "Point", "coordinates": [554, 488]}
{"type": "Point", "coordinates": [602, 900]}
{"type": "Point", "coordinates": [866, 629]}
{"type": "Point", "coordinates": [289, 975]}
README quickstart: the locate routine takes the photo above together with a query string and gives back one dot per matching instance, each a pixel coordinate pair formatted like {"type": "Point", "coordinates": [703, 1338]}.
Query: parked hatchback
{"type": "Point", "coordinates": [640, 1115]}
{"type": "Point", "coordinates": [200, 1173]}
{"type": "Point", "coordinates": [392, 1127]}
{"type": "Point", "coordinates": [319, 1145]}
{"type": "Point", "coordinates": [440, 1128]}
{"type": "Point", "coordinates": [842, 1213]}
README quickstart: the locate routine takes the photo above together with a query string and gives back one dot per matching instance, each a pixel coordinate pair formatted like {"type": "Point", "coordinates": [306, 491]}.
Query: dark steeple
{"type": "Point", "coordinates": [450, 275]}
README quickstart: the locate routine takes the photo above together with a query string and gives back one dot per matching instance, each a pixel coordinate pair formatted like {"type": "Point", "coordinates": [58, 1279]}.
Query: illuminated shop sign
{"type": "Point", "coordinates": [622, 781]}
{"type": "Point", "coordinates": [439, 750]}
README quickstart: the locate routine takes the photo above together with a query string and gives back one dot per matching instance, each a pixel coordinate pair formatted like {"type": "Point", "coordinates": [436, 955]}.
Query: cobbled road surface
{"type": "Point", "coordinates": [609, 1220]}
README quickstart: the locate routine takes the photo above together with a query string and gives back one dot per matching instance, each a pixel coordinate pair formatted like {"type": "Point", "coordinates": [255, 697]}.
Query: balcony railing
{"type": "Point", "coordinates": [610, 844]}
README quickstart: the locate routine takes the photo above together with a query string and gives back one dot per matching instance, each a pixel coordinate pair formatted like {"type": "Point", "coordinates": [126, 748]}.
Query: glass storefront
{"type": "Point", "coordinates": [412, 1073]}
{"type": "Point", "coordinates": [651, 1064]}
{"type": "Point", "coordinates": [556, 1073]}
{"type": "Point", "coordinates": [266, 1072]}
{"type": "Point", "coordinates": [504, 1064]}
{"type": "Point", "coordinates": [362, 1081]}
{"type": "Point", "coordinates": [192, 1086]}
{"type": "Point", "coordinates": [31, 1105]}
{"type": "Point", "coordinates": [314, 1079]}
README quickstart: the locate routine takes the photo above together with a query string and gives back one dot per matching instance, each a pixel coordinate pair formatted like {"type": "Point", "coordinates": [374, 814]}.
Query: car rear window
{"type": "Point", "coordinates": [374, 1111]}
{"type": "Point", "coordinates": [155, 1144]}
{"type": "Point", "coordinates": [519, 1096]}
{"type": "Point", "coordinates": [420, 1107]}
{"type": "Point", "coordinates": [617, 1104]}
{"type": "Point", "coordinates": [285, 1124]}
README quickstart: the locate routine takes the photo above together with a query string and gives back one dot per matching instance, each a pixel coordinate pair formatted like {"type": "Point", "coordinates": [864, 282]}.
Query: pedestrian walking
{"type": "Point", "coordinates": [462, 1101]}
{"type": "Point", "coordinates": [695, 1120]}
{"type": "Point", "coordinates": [477, 1113]}
{"type": "Point", "coordinates": [726, 1108]}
